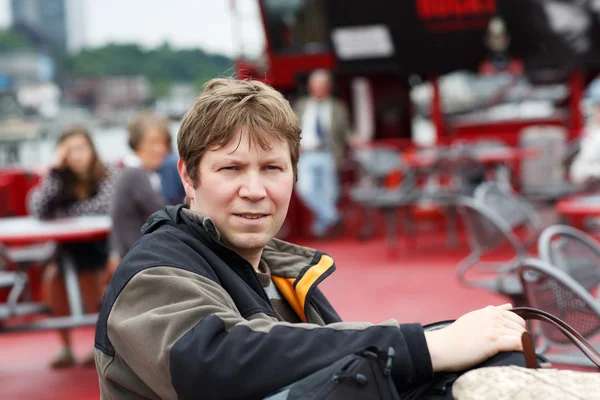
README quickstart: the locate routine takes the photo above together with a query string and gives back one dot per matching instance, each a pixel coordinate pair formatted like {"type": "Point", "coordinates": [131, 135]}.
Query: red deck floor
{"type": "Point", "coordinates": [418, 285]}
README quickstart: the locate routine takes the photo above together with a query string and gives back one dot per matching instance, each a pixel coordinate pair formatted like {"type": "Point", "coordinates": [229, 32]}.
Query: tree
{"type": "Point", "coordinates": [12, 41]}
{"type": "Point", "coordinates": [163, 65]}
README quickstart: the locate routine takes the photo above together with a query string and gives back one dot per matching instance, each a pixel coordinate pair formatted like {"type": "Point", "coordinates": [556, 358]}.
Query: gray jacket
{"type": "Point", "coordinates": [133, 202]}
{"type": "Point", "coordinates": [340, 125]}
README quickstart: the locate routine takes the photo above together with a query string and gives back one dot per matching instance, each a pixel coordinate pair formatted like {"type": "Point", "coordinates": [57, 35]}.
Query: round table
{"type": "Point", "coordinates": [18, 231]}
{"type": "Point", "coordinates": [580, 206]}
{"type": "Point", "coordinates": [484, 156]}
{"type": "Point", "coordinates": [27, 230]}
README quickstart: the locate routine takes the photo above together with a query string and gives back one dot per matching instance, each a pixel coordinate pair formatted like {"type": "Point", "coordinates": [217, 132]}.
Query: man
{"type": "Point", "coordinates": [138, 188]}
{"type": "Point", "coordinates": [170, 183]}
{"type": "Point", "coordinates": [208, 305]}
{"type": "Point", "coordinates": [499, 60]}
{"type": "Point", "coordinates": [325, 133]}
{"type": "Point", "coordinates": [586, 164]}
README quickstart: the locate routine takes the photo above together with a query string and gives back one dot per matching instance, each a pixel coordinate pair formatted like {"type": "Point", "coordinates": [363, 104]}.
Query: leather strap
{"type": "Point", "coordinates": [529, 351]}
{"type": "Point", "coordinates": [574, 336]}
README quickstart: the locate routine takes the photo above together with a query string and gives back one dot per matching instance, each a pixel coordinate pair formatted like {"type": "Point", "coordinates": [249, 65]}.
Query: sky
{"type": "Point", "coordinates": [208, 24]}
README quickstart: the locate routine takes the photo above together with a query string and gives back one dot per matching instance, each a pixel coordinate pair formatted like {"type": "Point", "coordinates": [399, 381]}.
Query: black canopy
{"type": "Point", "coordinates": [437, 36]}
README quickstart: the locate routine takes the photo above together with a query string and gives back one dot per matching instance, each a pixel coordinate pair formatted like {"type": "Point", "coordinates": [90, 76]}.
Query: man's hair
{"type": "Point", "coordinates": [228, 106]}
{"type": "Point", "coordinates": [319, 74]}
{"type": "Point", "coordinates": [142, 123]}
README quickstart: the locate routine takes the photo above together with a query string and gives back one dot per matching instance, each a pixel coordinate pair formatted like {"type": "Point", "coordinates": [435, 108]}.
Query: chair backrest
{"type": "Point", "coordinates": [550, 289]}
{"type": "Point", "coordinates": [573, 251]}
{"type": "Point", "coordinates": [516, 211]}
{"type": "Point", "coordinates": [486, 229]}
{"type": "Point", "coordinates": [5, 260]}
{"type": "Point", "coordinates": [547, 167]}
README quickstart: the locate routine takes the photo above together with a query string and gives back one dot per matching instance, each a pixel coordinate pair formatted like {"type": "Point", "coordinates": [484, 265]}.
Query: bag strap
{"type": "Point", "coordinates": [529, 351]}
{"type": "Point", "coordinates": [575, 337]}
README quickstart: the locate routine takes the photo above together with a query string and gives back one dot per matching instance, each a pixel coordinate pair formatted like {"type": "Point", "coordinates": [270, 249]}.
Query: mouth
{"type": "Point", "coordinates": [252, 216]}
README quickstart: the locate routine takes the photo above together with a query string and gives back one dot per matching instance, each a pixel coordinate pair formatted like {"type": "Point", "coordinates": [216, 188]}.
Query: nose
{"type": "Point", "coordinates": [252, 187]}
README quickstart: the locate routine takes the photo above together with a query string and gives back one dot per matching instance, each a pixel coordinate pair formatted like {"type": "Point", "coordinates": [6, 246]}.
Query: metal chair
{"type": "Point", "coordinates": [14, 278]}
{"type": "Point", "coordinates": [543, 177]}
{"type": "Point", "coordinates": [574, 252]}
{"type": "Point", "coordinates": [552, 290]}
{"type": "Point", "coordinates": [375, 166]}
{"type": "Point", "coordinates": [462, 172]}
{"type": "Point", "coordinates": [515, 210]}
{"type": "Point", "coordinates": [487, 233]}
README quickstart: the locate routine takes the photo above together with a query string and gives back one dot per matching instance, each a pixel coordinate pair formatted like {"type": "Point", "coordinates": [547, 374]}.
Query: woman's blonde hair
{"type": "Point", "coordinates": [142, 123]}
{"type": "Point", "coordinates": [227, 106]}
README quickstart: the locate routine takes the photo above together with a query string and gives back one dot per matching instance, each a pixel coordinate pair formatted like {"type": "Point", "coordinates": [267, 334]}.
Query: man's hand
{"type": "Point", "coordinates": [356, 142]}
{"type": "Point", "coordinates": [475, 337]}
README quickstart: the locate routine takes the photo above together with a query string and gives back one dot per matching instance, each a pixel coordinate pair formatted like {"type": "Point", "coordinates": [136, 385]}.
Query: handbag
{"type": "Point", "coordinates": [533, 383]}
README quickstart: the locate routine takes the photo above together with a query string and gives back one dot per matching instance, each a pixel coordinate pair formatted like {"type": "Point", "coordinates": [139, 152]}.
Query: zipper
{"type": "Point", "coordinates": [266, 296]}
{"type": "Point", "coordinates": [314, 306]}
{"type": "Point", "coordinates": [248, 265]}
{"type": "Point", "coordinates": [337, 378]}
{"type": "Point", "coordinates": [265, 293]}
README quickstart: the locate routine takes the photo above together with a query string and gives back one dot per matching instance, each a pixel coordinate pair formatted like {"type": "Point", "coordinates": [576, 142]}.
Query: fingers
{"type": "Point", "coordinates": [514, 317]}
{"type": "Point", "coordinates": [506, 306]}
{"type": "Point", "coordinates": [509, 343]}
{"type": "Point", "coordinates": [513, 326]}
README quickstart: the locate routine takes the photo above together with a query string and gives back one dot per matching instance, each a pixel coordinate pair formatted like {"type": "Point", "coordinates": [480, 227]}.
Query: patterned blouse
{"type": "Point", "coordinates": [45, 201]}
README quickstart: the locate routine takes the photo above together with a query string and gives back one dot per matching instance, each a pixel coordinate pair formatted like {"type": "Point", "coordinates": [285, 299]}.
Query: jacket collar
{"type": "Point", "coordinates": [284, 259]}
{"type": "Point", "coordinates": [295, 270]}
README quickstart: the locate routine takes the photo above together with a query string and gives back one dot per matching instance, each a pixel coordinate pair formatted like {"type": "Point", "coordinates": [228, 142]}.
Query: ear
{"type": "Point", "coordinates": [188, 185]}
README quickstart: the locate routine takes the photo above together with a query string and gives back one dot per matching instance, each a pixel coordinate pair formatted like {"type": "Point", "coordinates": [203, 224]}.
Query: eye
{"type": "Point", "coordinates": [230, 168]}
{"type": "Point", "coordinates": [273, 168]}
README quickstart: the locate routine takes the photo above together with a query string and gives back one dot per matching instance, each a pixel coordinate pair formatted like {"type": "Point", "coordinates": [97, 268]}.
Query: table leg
{"type": "Point", "coordinates": [451, 227]}
{"type": "Point", "coordinates": [503, 176]}
{"type": "Point", "coordinates": [72, 284]}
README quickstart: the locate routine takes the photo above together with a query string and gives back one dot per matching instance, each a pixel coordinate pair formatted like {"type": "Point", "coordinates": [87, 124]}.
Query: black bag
{"type": "Point", "coordinates": [365, 374]}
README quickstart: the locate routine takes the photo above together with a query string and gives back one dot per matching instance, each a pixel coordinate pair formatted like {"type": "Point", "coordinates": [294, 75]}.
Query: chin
{"type": "Point", "coordinates": [249, 240]}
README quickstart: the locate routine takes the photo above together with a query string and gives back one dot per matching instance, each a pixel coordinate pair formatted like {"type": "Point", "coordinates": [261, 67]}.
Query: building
{"type": "Point", "coordinates": [59, 22]}
{"type": "Point", "coordinates": [109, 91]}
{"type": "Point", "coordinates": [25, 68]}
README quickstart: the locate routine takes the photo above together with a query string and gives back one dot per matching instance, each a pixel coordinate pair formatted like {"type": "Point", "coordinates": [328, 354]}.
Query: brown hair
{"type": "Point", "coordinates": [144, 121]}
{"type": "Point", "coordinates": [227, 105]}
{"type": "Point", "coordinates": [96, 172]}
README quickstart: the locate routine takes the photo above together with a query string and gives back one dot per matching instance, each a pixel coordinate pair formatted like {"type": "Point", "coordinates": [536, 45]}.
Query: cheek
{"type": "Point", "coordinates": [219, 197]}
{"type": "Point", "coordinates": [282, 192]}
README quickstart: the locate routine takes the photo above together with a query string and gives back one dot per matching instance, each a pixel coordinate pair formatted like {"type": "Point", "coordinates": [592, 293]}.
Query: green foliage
{"type": "Point", "coordinates": [12, 41]}
{"type": "Point", "coordinates": [161, 88]}
{"type": "Point", "coordinates": [162, 65]}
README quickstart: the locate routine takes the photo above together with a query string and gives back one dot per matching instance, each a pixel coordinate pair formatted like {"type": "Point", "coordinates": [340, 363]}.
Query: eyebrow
{"type": "Point", "coordinates": [235, 160]}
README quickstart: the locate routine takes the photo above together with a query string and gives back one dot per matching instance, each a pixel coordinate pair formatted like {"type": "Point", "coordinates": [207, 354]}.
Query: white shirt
{"type": "Point", "coordinates": [587, 163]}
{"type": "Point", "coordinates": [310, 140]}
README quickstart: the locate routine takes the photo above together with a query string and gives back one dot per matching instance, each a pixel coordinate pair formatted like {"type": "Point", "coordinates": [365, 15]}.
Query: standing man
{"type": "Point", "coordinates": [325, 133]}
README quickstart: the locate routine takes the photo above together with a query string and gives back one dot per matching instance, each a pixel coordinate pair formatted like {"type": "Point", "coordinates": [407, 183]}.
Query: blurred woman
{"type": "Point", "coordinates": [138, 187]}
{"type": "Point", "coordinates": [77, 184]}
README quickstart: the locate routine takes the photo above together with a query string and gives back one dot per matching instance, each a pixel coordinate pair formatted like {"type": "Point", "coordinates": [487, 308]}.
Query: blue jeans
{"type": "Point", "coordinates": [318, 188]}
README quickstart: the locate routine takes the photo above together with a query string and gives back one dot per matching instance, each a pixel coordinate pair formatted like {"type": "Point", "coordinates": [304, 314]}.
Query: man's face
{"type": "Point", "coordinates": [152, 149]}
{"type": "Point", "coordinates": [319, 88]}
{"type": "Point", "coordinates": [245, 191]}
